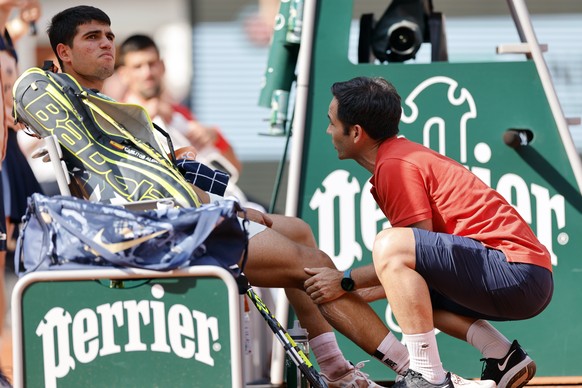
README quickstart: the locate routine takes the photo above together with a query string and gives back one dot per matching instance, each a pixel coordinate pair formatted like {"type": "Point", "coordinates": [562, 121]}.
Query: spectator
{"type": "Point", "coordinates": [142, 71]}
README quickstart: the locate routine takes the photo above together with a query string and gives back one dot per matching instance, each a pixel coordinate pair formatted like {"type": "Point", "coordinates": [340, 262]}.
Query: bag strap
{"type": "Point", "coordinates": [169, 141]}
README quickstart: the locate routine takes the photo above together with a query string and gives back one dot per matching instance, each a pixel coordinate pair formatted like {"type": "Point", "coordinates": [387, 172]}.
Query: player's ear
{"type": "Point", "coordinates": [63, 52]}
{"type": "Point", "coordinates": [357, 132]}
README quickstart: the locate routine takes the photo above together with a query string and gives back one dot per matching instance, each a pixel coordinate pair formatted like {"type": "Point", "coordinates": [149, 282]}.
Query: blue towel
{"type": "Point", "coordinates": [202, 176]}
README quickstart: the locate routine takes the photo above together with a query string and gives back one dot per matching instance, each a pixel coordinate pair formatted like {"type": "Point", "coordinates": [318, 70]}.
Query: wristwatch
{"type": "Point", "coordinates": [347, 281]}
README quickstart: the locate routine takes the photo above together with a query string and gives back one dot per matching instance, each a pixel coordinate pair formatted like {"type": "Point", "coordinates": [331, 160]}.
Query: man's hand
{"type": "Point", "coordinates": [30, 11]}
{"type": "Point", "coordinates": [258, 217]}
{"type": "Point", "coordinates": [199, 135]}
{"type": "Point", "coordinates": [188, 152]}
{"type": "Point", "coordinates": [158, 106]}
{"type": "Point", "coordinates": [324, 285]}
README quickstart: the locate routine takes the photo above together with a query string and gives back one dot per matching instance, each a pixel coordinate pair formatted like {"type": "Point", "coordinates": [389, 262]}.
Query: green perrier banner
{"type": "Point", "coordinates": [461, 110]}
{"type": "Point", "coordinates": [160, 329]}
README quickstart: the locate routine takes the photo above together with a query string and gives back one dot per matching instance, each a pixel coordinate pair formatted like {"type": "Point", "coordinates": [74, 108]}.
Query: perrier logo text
{"type": "Point", "coordinates": [97, 332]}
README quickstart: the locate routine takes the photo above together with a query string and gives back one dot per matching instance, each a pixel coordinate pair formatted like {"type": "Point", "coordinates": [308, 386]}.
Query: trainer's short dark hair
{"type": "Point", "coordinates": [63, 26]}
{"type": "Point", "coordinates": [372, 103]}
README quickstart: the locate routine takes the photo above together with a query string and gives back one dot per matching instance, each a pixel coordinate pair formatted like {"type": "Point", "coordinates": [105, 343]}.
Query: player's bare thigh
{"type": "Point", "coordinates": [277, 261]}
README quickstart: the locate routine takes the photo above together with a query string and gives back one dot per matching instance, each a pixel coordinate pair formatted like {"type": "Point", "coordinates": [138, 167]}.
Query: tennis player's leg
{"type": "Point", "coordinates": [277, 261]}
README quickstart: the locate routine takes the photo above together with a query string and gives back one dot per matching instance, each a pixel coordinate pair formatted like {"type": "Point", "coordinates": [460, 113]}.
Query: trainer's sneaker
{"type": "Point", "coordinates": [354, 378]}
{"type": "Point", "coordinates": [512, 371]}
{"type": "Point", "coordinates": [414, 379]}
{"type": "Point", "coordinates": [460, 382]}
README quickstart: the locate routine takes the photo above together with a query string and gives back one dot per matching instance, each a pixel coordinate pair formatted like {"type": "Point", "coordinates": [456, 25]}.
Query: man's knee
{"type": "Point", "coordinates": [294, 229]}
{"type": "Point", "coordinates": [393, 247]}
{"type": "Point", "coordinates": [389, 241]}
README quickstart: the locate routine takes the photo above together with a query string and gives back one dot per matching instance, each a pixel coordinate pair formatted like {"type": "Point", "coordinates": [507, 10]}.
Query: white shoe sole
{"type": "Point", "coordinates": [519, 375]}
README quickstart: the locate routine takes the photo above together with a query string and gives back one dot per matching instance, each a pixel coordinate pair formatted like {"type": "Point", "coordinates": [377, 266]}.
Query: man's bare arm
{"type": "Point", "coordinates": [324, 285]}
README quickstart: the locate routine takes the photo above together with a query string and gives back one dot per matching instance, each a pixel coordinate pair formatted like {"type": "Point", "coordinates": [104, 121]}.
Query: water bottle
{"type": "Point", "coordinates": [294, 376]}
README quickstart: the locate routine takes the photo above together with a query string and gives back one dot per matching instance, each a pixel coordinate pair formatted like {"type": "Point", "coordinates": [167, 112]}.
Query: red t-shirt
{"type": "Point", "coordinates": [412, 183]}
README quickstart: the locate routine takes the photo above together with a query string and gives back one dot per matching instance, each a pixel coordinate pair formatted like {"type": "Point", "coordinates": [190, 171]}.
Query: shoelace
{"type": "Point", "coordinates": [456, 379]}
{"type": "Point", "coordinates": [358, 369]}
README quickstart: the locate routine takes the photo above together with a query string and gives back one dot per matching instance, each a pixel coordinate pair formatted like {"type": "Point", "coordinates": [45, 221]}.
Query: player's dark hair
{"type": "Point", "coordinates": [63, 26]}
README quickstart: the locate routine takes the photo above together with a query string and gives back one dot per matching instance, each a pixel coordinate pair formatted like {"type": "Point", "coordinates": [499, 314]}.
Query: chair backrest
{"type": "Point", "coordinates": [109, 148]}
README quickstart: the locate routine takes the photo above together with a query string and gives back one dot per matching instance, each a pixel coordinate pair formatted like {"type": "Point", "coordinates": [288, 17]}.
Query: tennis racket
{"type": "Point", "coordinates": [291, 348]}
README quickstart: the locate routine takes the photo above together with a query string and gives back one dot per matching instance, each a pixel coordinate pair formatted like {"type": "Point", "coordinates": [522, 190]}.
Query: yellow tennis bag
{"type": "Point", "coordinates": [110, 148]}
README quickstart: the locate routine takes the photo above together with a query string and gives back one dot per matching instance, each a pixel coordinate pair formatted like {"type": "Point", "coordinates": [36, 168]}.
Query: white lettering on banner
{"type": "Point", "coordinates": [545, 206]}
{"type": "Point", "coordinates": [338, 186]}
{"type": "Point", "coordinates": [464, 97]}
{"type": "Point", "coordinates": [187, 333]}
{"type": "Point", "coordinates": [371, 214]}
{"type": "Point", "coordinates": [55, 323]}
{"type": "Point", "coordinates": [516, 191]}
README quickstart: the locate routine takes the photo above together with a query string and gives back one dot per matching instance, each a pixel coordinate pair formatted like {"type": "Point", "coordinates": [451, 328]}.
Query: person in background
{"type": "Point", "coordinates": [17, 178]}
{"type": "Point", "coordinates": [457, 254]}
{"type": "Point", "coordinates": [259, 25]}
{"type": "Point", "coordinates": [29, 11]}
{"type": "Point", "coordinates": [5, 8]}
{"type": "Point", "coordinates": [142, 71]}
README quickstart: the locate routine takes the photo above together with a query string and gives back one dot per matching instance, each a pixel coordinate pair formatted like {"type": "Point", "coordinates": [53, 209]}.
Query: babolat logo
{"type": "Point", "coordinates": [90, 333]}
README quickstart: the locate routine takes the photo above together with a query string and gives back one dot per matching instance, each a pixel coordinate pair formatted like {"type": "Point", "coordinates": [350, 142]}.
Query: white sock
{"type": "Point", "coordinates": [329, 357]}
{"type": "Point", "coordinates": [487, 339]}
{"type": "Point", "coordinates": [424, 356]}
{"type": "Point", "coordinates": [393, 353]}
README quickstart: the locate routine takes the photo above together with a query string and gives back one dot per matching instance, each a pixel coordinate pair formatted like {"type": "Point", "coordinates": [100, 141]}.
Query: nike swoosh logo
{"type": "Point", "coordinates": [504, 364]}
{"type": "Point", "coordinates": [121, 246]}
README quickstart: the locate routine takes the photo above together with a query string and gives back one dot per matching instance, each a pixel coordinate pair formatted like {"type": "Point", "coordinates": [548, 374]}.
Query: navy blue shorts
{"type": "Point", "coordinates": [469, 279]}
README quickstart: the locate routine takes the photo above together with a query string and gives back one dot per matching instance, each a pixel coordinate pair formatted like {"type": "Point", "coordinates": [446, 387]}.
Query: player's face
{"type": "Point", "coordinates": [336, 129]}
{"type": "Point", "coordinates": [91, 57]}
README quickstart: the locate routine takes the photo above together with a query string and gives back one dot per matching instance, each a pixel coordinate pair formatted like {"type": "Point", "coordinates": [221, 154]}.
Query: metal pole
{"type": "Point", "coordinates": [526, 32]}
